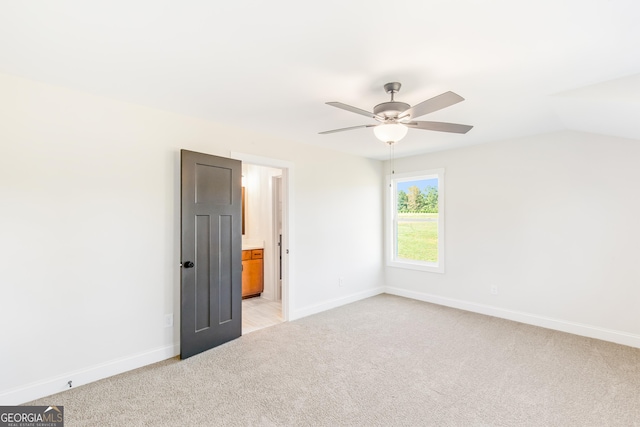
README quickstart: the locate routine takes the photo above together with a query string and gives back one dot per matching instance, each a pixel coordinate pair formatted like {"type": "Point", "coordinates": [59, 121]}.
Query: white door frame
{"type": "Point", "coordinates": [287, 221]}
{"type": "Point", "coordinates": [276, 199]}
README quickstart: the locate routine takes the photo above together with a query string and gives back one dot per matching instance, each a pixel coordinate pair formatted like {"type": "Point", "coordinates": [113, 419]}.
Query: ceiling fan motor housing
{"type": "Point", "coordinates": [391, 109]}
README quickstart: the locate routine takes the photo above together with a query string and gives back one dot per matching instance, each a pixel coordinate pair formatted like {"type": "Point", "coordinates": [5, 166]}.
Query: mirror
{"type": "Point", "coordinates": [243, 211]}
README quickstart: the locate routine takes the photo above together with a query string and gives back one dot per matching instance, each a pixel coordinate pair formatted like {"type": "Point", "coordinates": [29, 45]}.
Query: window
{"type": "Point", "coordinates": [415, 225]}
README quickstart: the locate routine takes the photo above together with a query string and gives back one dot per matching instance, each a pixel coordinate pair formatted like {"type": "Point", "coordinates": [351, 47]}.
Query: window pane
{"type": "Point", "coordinates": [417, 220]}
{"type": "Point", "coordinates": [417, 238]}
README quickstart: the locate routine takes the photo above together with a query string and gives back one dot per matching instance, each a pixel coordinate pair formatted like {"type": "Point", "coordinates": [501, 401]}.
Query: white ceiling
{"type": "Point", "coordinates": [524, 67]}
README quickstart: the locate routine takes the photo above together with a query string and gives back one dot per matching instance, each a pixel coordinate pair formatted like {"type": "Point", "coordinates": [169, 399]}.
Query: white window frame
{"type": "Point", "coordinates": [391, 222]}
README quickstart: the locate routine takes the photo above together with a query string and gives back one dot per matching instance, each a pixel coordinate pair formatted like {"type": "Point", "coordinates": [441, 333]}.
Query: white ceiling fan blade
{"type": "Point", "coordinates": [440, 126]}
{"type": "Point", "coordinates": [343, 129]}
{"type": "Point", "coordinates": [352, 109]}
{"type": "Point", "coordinates": [436, 103]}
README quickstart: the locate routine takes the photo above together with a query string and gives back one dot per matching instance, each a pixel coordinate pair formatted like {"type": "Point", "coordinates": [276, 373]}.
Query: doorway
{"type": "Point", "coordinates": [266, 188]}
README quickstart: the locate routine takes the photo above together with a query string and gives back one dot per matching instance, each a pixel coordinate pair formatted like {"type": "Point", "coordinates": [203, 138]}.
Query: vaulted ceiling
{"type": "Point", "coordinates": [523, 67]}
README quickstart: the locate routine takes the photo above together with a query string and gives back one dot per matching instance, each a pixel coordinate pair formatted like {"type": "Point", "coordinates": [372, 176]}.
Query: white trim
{"type": "Point", "coordinates": [95, 373]}
{"type": "Point", "coordinates": [390, 222]}
{"type": "Point", "coordinates": [84, 376]}
{"type": "Point", "coordinates": [262, 161]}
{"type": "Point", "coordinates": [276, 196]}
{"type": "Point", "coordinates": [575, 328]}
{"type": "Point", "coordinates": [328, 305]}
{"type": "Point", "coordinates": [288, 287]}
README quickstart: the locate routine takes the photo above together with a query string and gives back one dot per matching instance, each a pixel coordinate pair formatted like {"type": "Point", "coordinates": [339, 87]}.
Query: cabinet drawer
{"type": "Point", "coordinates": [246, 255]}
{"type": "Point", "coordinates": [256, 254]}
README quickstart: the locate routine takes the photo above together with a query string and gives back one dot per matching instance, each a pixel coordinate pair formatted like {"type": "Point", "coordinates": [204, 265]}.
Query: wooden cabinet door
{"type": "Point", "coordinates": [252, 280]}
{"type": "Point", "coordinates": [252, 273]}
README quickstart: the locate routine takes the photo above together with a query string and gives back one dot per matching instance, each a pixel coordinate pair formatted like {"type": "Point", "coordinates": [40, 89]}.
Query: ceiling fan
{"type": "Point", "coordinates": [396, 117]}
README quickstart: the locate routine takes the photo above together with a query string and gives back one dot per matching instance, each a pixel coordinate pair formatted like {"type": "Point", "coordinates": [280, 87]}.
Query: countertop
{"type": "Point", "coordinates": [249, 244]}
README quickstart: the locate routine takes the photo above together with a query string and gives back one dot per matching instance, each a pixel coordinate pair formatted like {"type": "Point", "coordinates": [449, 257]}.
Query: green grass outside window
{"type": "Point", "coordinates": [418, 240]}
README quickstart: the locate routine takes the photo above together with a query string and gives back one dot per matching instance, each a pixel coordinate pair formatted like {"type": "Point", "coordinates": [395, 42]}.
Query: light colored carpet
{"type": "Point", "coordinates": [383, 361]}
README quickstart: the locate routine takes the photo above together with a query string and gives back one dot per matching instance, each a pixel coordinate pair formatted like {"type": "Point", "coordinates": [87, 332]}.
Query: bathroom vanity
{"type": "Point", "coordinates": [252, 272]}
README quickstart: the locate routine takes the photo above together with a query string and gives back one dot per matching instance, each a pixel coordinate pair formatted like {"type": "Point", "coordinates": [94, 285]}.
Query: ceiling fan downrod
{"type": "Point", "coordinates": [392, 88]}
{"type": "Point", "coordinates": [390, 110]}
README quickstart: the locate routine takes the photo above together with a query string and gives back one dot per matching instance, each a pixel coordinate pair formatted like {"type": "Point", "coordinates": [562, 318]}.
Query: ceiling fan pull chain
{"type": "Point", "coordinates": [391, 159]}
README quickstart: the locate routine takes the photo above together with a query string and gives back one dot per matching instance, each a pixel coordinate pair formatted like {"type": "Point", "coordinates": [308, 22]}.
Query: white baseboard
{"type": "Point", "coordinates": [81, 377]}
{"type": "Point", "coordinates": [328, 305]}
{"type": "Point", "coordinates": [590, 331]}
{"type": "Point", "coordinates": [59, 383]}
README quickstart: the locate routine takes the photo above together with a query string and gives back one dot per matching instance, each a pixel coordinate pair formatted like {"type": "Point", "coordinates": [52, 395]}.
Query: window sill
{"type": "Point", "coordinates": [431, 268]}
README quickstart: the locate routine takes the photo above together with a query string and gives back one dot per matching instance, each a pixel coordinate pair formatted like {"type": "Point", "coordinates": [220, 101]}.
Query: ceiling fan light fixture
{"type": "Point", "coordinates": [390, 132]}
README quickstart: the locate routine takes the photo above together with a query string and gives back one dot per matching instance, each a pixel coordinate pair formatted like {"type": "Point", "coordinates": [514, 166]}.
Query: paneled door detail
{"type": "Point", "coordinates": [211, 245]}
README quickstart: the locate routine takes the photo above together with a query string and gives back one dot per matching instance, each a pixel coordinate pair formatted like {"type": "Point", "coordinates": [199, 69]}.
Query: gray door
{"type": "Point", "coordinates": [211, 251]}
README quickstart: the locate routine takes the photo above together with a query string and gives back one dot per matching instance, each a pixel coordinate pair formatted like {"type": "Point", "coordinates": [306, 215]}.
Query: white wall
{"type": "Point", "coordinates": [552, 221]}
{"type": "Point", "coordinates": [89, 228]}
{"type": "Point", "coordinates": [335, 181]}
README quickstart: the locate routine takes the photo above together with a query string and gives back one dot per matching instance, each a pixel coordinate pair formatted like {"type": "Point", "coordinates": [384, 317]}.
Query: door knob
{"type": "Point", "coordinates": [188, 264]}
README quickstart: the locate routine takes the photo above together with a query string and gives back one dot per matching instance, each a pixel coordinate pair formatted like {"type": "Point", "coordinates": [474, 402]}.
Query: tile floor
{"type": "Point", "coordinates": [258, 313]}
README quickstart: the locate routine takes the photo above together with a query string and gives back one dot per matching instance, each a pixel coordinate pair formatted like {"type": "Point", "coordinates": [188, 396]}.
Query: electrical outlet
{"type": "Point", "coordinates": [494, 290]}
{"type": "Point", "coordinates": [341, 281]}
{"type": "Point", "coordinates": [168, 320]}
